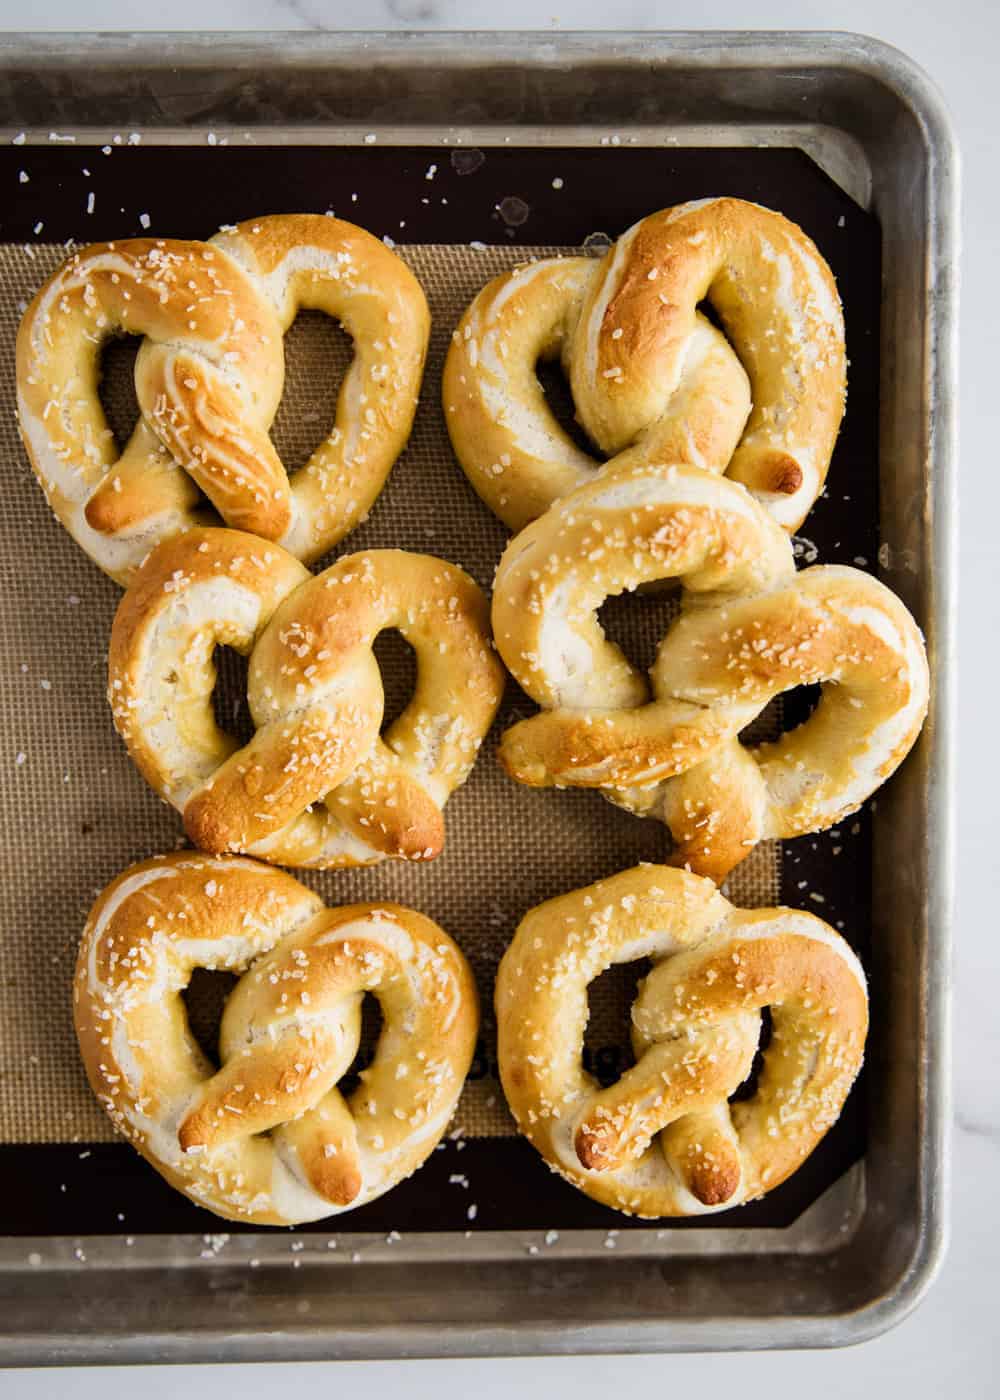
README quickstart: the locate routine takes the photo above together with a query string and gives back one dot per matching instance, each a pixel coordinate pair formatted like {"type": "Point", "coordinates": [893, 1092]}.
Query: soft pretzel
{"type": "Point", "coordinates": [267, 1137]}
{"type": "Point", "coordinates": [652, 381]}
{"type": "Point", "coordinates": [316, 785]}
{"type": "Point", "coordinates": [664, 1140]}
{"type": "Point", "coordinates": [750, 629]}
{"type": "Point", "coordinates": [209, 377]}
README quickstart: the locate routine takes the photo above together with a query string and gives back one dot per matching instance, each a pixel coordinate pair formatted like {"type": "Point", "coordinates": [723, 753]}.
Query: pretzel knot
{"type": "Point", "coordinates": [209, 377]}
{"type": "Point", "coordinates": [652, 380]}
{"type": "Point", "coordinates": [750, 629]}
{"type": "Point", "coordinates": [267, 1136]}
{"type": "Point", "coordinates": [665, 1140]}
{"type": "Point", "coordinates": [316, 785]}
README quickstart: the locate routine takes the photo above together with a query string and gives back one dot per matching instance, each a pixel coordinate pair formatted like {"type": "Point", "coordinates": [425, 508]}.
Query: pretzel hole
{"type": "Point", "coordinates": [229, 698]}
{"type": "Point", "coordinates": [372, 1022]}
{"type": "Point", "coordinates": [638, 622]}
{"type": "Point", "coordinates": [318, 353]}
{"type": "Point", "coordinates": [398, 663]}
{"type": "Point", "coordinates": [748, 1088]}
{"type": "Point", "coordinates": [798, 705]}
{"type": "Point", "coordinates": [116, 385]}
{"type": "Point", "coordinates": [781, 715]}
{"type": "Point", "coordinates": [607, 1044]}
{"type": "Point", "coordinates": [204, 999]}
{"type": "Point", "coordinates": [710, 314]}
{"type": "Point", "coordinates": [559, 398]}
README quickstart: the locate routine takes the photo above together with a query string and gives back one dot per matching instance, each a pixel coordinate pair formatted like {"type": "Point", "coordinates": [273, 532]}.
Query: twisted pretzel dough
{"type": "Point", "coordinates": [751, 628]}
{"type": "Point", "coordinates": [268, 1137]}
{"type": "Point", "coordinates": [653, 382]}
{"type": "Point", "coordinates": [316, 785]}
{"type": "Point", "coordinates": [695, 1031]}
{"type": "Point", "coordinates": [209, 377]}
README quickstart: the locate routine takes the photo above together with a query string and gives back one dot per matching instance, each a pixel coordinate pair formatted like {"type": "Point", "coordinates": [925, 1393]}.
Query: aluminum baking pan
{"type": "Point", "coordinates": [862, 1255]}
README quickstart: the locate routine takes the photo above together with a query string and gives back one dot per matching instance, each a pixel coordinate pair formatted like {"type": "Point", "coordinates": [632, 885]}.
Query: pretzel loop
{"type": "Point", "coordinates": [267, 1136]}
{"type": "Point", "coordinates": [664, 1140]}
{"type": "Point", "coordinates": [312, 262]}
{"type": "Point", "coordinates": [653, 381]}
{"type": "Point", "coordinates": [316, 785]}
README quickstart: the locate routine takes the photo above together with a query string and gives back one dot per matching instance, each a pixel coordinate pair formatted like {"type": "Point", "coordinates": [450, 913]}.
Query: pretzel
{"type": "Point", "coordinates": [316, 785]}
{"type": "Point", "coordinates": [209, 377]}
{"type": "Point", "coordinates": [652, 381]}
{"type": "Point", "coordinates": [663, 1140]}
{"type": "Point", "coordinates": [750, 629]}
{"type": "Point", "coordinates": [267, 1137]}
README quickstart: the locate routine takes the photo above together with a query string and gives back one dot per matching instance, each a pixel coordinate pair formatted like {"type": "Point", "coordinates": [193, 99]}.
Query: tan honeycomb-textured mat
{"type": "Point", "coordinates": [75, 812]}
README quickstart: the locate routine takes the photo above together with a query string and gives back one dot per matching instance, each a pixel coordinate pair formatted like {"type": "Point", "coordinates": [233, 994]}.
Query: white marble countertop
{"type": "Point", "coordinates": [953, 1337]}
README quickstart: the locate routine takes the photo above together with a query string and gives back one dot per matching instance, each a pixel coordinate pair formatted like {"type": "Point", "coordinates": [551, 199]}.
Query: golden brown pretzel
{"type": "Point", "coordinates": [664, 1140]}
{"type": "Point", "coordinates": [316, 785]}
{"type": "Point", "coordinates": [209, 377]}
{"type": "Point", "coordinates": [653, 382]}
{"type": "Point", "coordinates": [267, 1137]}
{"type": "Point", "coordinates": [750, 629]}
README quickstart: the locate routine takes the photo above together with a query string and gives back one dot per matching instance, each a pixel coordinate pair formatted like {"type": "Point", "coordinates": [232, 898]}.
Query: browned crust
{"type": "Point", "coordinates": [711, 1178]}
{"type": "Point", "coordinates": [781, 474]}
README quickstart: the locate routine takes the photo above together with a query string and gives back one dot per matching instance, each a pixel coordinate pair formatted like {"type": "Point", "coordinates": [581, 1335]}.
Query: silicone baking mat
{"type": "Point", "coordinates": [75, 812]}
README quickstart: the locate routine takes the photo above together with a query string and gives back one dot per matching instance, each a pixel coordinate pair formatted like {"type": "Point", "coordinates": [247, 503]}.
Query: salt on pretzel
{"type": "Point", "coordinates": [750, 629]}
{"type": "Point", "coordinates": [652, 380]}
{"type": "Point", "coordinates": [513, 449]}
{"type": "Point", "coordinates": [831, 625]}
{"type": "Point", "coordinates": [267, 1137]}
{"type": "Point", "coordinates": [313, 262]}
{"type": "Point", "coordinates": [209, 377]}
{"type": "Point", "coordinates": [665, 1140]}
{"type": "Point", "coordinates": [316, 785]}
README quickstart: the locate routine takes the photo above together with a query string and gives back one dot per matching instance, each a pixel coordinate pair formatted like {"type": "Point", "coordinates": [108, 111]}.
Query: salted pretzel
{"type": "Point", "coordinates": [316, 785]}
{"type": "Point", "coordinates": [664, 1140]}
{"type": "Point", "coordinates": [652, 380]}
{"type": "Point", "coordinates": [267, 1137]}
{"type": "Point", "coordinates": [750, 629]}
{"type": "Point", "coordinates": [209, 377]}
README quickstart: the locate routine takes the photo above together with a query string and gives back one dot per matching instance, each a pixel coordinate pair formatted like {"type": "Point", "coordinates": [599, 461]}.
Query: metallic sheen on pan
{"type": "Point", "coordinates": [863, 1255]}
